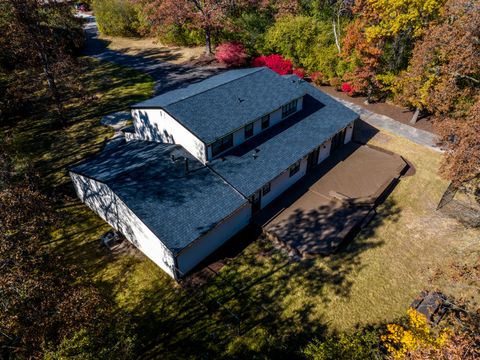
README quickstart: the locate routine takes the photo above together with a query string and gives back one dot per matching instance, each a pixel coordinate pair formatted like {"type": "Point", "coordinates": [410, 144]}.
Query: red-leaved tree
{"type": "Point", "coordinates": [275, 62]}
{"type": "Point", "coordinates": [232, 54]}
{"type": "Point", "coordinates": [206, 15]}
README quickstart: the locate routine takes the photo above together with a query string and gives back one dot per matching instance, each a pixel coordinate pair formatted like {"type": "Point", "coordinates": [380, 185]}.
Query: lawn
{"type": "Point", "coordinates": [262, 303]}
{"type": "Point", "coordinates": [49, 149]}
{"type": "Point", "coordinates": [152, 49]}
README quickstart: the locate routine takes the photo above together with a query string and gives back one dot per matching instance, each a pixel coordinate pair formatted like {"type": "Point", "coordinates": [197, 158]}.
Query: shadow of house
{"type": "Point", "coordinates": [245, 302]}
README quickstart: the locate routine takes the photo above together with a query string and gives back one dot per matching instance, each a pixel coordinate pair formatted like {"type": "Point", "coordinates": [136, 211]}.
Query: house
{"type": "Point", "coordinates": [200, 161]}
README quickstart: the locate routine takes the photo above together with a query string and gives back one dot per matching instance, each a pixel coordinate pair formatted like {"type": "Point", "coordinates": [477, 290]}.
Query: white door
{"type": "Point", "coordinates": [324, 151]}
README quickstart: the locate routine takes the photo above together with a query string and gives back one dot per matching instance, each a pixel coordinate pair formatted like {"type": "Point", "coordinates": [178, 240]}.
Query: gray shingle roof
{"type": "Point", "coordinates": [223, 103]}
{"type": "Point", "coordinates": [285, 143]}
{"type": "Point", "coordinates": [177, 208]}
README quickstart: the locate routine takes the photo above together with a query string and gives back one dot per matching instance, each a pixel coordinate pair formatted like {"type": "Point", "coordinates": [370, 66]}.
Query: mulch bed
{"type": "Point", "coordinates": [395, 112]}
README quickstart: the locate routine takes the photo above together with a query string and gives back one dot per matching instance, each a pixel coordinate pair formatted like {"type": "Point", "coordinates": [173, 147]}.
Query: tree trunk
{"type": "Point", "coordinates": [415, 116]}
{"type": "Point", "coordinates": [52, 85]}
{"type": "Point", "coordinates": [335, 34]}
{"type": "Point", "coordinates": [208, 41]}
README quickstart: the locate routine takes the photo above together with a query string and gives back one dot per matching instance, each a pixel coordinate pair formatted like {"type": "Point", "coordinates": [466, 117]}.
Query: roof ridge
{"type": "Point", "coordinates": [219, 85]}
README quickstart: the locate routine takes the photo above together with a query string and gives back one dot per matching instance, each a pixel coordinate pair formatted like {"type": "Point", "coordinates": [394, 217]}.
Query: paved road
{"type": "Point", "coordinates": [167, 76]}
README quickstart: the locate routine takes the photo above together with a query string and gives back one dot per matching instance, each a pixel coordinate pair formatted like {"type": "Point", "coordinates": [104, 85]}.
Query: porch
{"type": "Point", "coordinates": [333, 201]}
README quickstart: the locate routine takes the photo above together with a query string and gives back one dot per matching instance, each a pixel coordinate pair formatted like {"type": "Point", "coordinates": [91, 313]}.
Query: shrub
{"type": "Point", "coordinates": [307, 41]}
{"type": "Point", "coordinates": [318, 78]}
{"type": "Point", "coordinates": [117, 17]}
{"type": "Point", "coordinates": [231, 54]}
{"type": "Point", "coordinates": [336, 83]}
{"type": "Point", "coordinates": [400, 340]}
{"type": "Point", "coordinates": [300, 72]}
{"type": "Point", "coordinates": [275, 62]}
{"type": "Point", "coordinates": [180, 35]}
{"type": "Point", "coordinates": [389, 84]}
{"type": "Point", "coordinates": [347, 88]}
{"type": "Point", "coordinates": [357, 346]}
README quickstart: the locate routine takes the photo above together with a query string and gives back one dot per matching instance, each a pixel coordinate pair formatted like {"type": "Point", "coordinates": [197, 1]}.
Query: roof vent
{"type": "Point", "coordinates": [240, 100]}
{"type": "Point", "coordinates": [172, 157]}
{"type": "Point", "coordinates": [186, 166]}
{"type": "Point", "coordinates": [255, 152]}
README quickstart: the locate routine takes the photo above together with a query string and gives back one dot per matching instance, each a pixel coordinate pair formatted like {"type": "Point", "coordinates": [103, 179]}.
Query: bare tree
{"type": "Point", "coordinates": [34, 36]}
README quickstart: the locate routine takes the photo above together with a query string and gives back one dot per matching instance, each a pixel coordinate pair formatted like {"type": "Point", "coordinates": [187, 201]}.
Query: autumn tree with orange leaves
{"type": "Point", "coordinates": [444, 78]}
{"type": "Point", "coordinates": [380, 38]}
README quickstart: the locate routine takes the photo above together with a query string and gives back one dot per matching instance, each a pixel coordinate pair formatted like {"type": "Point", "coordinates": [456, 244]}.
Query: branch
{"type": "Point", "coordinates": [467, 77]}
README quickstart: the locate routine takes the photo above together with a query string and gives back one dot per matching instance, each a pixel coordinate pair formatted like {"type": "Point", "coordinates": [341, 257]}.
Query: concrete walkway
{"type": "Point", "coordinates": [415, 135]}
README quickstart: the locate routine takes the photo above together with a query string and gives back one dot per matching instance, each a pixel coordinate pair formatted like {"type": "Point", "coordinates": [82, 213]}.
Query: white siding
{"type": "Point", "coordinates": [282, 183]}
{"type": "Point", "coordinates": [300, 104]}
{"type": "Point", "coordinates": [110, 208]}
{"type": "Point", "coordinates": [349, 133]}
{"type": "Point", "coordinates": [324, 151]}
{"type": "Point", "coordinates": [204, 246]}
{"type": "Point", "coordinates": [239, 134]}
{"type": "Point", "coordinates": [276, 117]}
{"type": "Point", "coordinates": [157, 125]}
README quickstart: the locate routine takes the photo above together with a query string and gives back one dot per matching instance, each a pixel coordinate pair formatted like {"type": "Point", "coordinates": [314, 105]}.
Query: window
{"type": "Point", "coordinates": [265, 121]}
{"type": "Point", "coordinates": [266, 189]}
{"type": "Point", "coordinates": [294, 168]}
{"type": "Point", "coordinates": [290, 108]}
{"type": "Point", "coordinates": [222, 144]}
{"type": "Point", "coordinates": [248, 131]}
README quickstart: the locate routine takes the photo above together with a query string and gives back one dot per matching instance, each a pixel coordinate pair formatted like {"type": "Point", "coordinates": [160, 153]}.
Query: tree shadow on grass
{"type": "Point", "coordinates": [261, 304]}
{"type": "Point", "coordinates": [252, 308]}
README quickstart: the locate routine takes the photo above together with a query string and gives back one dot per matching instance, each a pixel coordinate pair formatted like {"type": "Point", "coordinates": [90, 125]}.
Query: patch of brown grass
{"type": "Point", "coordinates": [152, 49]}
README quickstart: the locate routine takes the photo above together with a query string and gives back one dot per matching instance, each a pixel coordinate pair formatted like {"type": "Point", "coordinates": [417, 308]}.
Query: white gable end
{"type": "Point", "coordinates": [157, 125]}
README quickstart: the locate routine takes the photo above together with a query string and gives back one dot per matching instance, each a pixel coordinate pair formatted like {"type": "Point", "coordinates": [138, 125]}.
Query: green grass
{"type": "Point", "coordinates": [281, 304]}
{"type": "Point", "coordinates": [48, 149]}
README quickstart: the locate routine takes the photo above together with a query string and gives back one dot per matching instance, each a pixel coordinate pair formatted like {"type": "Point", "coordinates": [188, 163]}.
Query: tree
{"type": "Point", "coordinates": [382, 36]}
{"type": "Point", "coordinates": [444, 78]}
{"type": "Point", "coordinates": [40, 33]}
{"type": "Point", "coordinates": [363, 58]}
{"type": "Point", "coordinates": [401, 340]}
{"type": "Point", "coordinates": [43, 301]}
{"type": "Point", "coordinates": [231, 54]}
{"type": "Point", "coordinates": [117, 17]}
{"type": "Point", "coordinates": [306, 40]}
{"type": "Point", "coordinates": [207, 15]}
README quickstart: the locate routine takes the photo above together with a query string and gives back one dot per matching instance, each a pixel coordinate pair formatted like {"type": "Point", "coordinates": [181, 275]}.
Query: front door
{"type": "Point", "coordinates": [256, 201]}
{"type": "Point", "coordinates": [312, 159]}
{"type": "Point", "coordinates": [338, 140]}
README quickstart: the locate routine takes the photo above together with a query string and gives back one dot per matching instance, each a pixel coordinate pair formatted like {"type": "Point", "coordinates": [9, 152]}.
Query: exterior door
{"type": "Point", "coordinates": [256, 201]}
{"type": "Point", "coordinates": [312, 159]}
{"type": "Point", "coordinates": [338, 140]}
